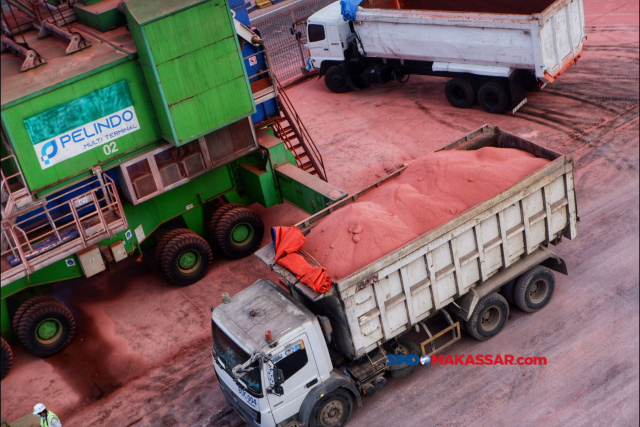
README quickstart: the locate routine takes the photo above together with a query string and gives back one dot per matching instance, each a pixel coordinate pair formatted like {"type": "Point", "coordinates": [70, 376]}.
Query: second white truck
{"type": "Point", "coordinates": [300, 358]}
{"type": "Point", "coordinates": [492, 50]}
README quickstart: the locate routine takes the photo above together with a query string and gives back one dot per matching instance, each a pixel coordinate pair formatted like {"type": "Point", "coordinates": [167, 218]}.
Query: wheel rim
{"type": "Point", "coordinates": [48, 331]}
{"type": "Point", "coordinates": [491, 99]}
{"type": "Point", "coordinates": [242, 234]}
{"type": "Point", "coordinates": [538, 291]}
{"type": "Point", "coordinates": [332, 413]}
{"type": "Point", "coordinates": [458, 94]}
{"type": "Point", "coordinates": [336, 80]}
{"type": "Point", "coordinates": [491, 318]}
{"type": "Point", "coordinates": [189, 261]}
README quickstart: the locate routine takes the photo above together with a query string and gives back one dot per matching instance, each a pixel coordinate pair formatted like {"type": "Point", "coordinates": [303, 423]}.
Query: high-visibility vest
{"type": "Point", "coordinates": [46, 422]}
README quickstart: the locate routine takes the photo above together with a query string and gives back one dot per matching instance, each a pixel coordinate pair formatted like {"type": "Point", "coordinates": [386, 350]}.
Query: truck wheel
{"type": "Point", "coordinates": [46, 329]}
{"type": "Point", "coordinates": [333, 410]}
{"type": "Point", "coordinates": [185, 259]}
{"type": "Point", "coordinates": [162, 243]}
{"type": "Point", "coordinates": [213, 222]}
{"type": "Point", "coordinates": [489, 317]}
{"type": "Point", "coordinates": [494, 97]}
{"type": "Point", "coordinates": [336, 79]}
{"type": "Point", "coordinates": [405, 347]}
{"type": "Point", "coordinates": [507, 291]}
{"type": "Point", "coordinates": [7, 358]}
{"type": "Point", "coordinates": [239, 233]}
{"type": "Point", "coordinates": [534, 289]}
{"type": "Point", "coordinates": [25, 306]}
{"type": "Point", "coordinates": [460, 92]}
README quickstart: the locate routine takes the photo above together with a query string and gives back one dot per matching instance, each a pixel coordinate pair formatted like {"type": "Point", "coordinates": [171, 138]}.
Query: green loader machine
{"type": "Point", "coordinates": [142, 128]}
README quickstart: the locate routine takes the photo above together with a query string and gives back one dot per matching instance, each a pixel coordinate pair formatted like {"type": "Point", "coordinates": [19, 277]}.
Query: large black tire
{"type": "Point", "coordinates": [534, 289]}
{"type": "Point", "coordinates": [164, 241]}
{"type": "Point", "coordinates": [405, 347]}
{"type": "Point", "coordinates": [333, 410]}
{"type": "Point", "coordinates": [494, 97]}
{"type": "Point", "coordinates": [489, 317]}
{"type": "Point", "coordinates": [460, 92]}
{"type": "Point", "coordinates": [7, 358]}
{"type": "Point", "coordinates": [25, 306]}
{"type": "Point", "coordinates": [507, 291]}
{"type": "Point", "coordinates": [239, 233]}
{"type": "Point", "coordinates": [185, 259]}
{"type": "Point", "coordinates": [213, 222]}
{"type": "Point", "coordinates": [46, 329]}
{"type": "Point", "coordinates": [336, 79]}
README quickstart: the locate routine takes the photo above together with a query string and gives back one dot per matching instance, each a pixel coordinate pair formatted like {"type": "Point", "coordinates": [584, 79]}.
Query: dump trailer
{"type": "Point", "coordinates": [147, 139]}
{"type": "Point", "coordinates": [296, 357]}
{"type": "Point", "coordinates": [492, 50]}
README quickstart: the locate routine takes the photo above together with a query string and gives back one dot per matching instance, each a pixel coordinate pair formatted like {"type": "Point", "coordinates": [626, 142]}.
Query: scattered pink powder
{"type": "Point", "coordinates": [430, 192]}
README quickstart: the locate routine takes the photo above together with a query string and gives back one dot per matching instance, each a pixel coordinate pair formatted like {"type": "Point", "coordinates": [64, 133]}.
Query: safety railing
{"type": "Point", "coordinates": [58, 227]}
{"type": "Point", "coordinates": [13, 187]}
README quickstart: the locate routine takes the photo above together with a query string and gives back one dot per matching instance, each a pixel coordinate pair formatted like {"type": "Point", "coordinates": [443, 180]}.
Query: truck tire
{"type": "Point", "coordinates": [239, 232]}
{"type": "Point", "coordinates": [336, 79]}
{"type": "Point", "coordinates": [534, 289]}
{"type": "Point", "coordinates": [333, 410]}
{"type": "Point", "coordinates": [405, 347]}
{"type": "Point", "coordinates": [494, 97]}
{"type": "Point", "coordinates": [162, 243]}
{"type": "Point", "coordinates": [507, 291]}
{"type": "Point", "coordinates": [185, 259]}
{"type": "Point", "coordinates": [488, 318]}
{"type": "Point", "coordinates": [46, 329]}
{"type": "Point", "coordinates": [213, 222]}
{"type": "Point", "coordinates": [25, 306]}
{"type": "Point", "coordinates": [7, 358]}
{"type": "Point", "coordinates": [460, 92]}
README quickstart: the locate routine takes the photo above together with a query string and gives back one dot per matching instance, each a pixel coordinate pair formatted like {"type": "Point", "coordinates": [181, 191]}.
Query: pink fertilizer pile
{"type": "Point", "coordinates": [430, 192]}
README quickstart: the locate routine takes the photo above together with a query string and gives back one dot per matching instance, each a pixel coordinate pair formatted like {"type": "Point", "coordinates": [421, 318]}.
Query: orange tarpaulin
{"type": "Point", "coordinates": [289, 240]}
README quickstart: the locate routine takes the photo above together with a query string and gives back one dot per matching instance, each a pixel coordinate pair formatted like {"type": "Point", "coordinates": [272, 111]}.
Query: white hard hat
{"type": "Point", "coordinates": [38, 408]}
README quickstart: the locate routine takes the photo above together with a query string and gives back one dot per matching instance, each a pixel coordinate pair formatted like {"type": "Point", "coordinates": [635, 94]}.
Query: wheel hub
{"type": "Point", "coordinates": [538, 291]}
{"type": "Point", "coordinates": [490, 318]}
{"type": "Point", "coordinates": [48, 331]}
{"type": "Point", "coordinates": [332, 413]}
{"type": "Point", "coordinates": [242, 234]}
{"type": "Point", "coordinates": [189, 260]}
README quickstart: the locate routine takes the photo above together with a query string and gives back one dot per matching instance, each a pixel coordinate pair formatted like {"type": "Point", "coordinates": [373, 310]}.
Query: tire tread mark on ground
{"type": "Point", "coordinates": [432, 116]}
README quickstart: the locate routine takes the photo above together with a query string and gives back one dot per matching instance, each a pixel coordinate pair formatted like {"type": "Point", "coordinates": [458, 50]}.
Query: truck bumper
{"type": "Point", "coordinates": [240, 410]}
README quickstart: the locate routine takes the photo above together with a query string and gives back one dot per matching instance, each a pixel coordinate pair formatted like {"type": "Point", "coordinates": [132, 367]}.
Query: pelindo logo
{"type": "Point", "coordinates": [49, 150]}
{"type": "Point", "coordinates": [86, 137]}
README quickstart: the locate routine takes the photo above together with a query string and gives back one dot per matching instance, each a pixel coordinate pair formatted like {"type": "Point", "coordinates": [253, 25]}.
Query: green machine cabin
{"type": "Point", "coordinates": [139, 139]}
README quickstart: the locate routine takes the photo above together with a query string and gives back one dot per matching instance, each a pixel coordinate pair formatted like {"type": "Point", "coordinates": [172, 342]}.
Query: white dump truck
{"type": "Point", "coordinates": [493, 50]}
{"type": "Point", "coordinates": [301, 358]}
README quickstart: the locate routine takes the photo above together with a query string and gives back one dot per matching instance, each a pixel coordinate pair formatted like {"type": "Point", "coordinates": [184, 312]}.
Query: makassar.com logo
{"type": "Point", "coordinates": [410, 359]}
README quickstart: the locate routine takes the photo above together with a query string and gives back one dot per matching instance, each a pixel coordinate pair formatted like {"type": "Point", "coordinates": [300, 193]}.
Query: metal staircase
{"type": "Point", "coordinates": [290, 129]}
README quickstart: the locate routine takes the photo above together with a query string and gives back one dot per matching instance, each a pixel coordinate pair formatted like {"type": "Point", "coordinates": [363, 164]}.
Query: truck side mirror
{"type": "Point", "coordinates": [292, 29]}
{"type": "Point", "coordinates": [278, 377]}
{"type": "Point", "coordinates": [298, 35]}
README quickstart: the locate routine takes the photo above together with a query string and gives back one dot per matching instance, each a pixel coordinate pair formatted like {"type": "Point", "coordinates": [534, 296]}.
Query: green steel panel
{"type": "Point", "coordinates": [41, 175]}
{"type": "Point", "coordinates": [194, 116]}
{"type": "Point", "coordinates": [145, 11]}
{"type": "Point", "coordinates": [192, 64]}
{"type": "Point", "coordinates": [99, 17]}
{"type": "Point", "coordinates": [190, 30]}
{"type": "Point", "coordinates": [207, 68]}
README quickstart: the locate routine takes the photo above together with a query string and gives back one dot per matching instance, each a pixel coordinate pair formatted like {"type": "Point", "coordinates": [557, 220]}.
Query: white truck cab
{"type": "Point", "coordinates": [270, 357]}
{"type": "Point", "coordinates": [328, 35]}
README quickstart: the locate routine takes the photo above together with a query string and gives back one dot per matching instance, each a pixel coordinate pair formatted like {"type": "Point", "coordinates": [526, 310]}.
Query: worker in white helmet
{"type": "Point", "coordinates": [47, 418]}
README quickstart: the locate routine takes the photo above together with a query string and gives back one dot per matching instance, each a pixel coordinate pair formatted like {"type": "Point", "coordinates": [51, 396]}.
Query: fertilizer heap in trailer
{"type": "Point", "coordinates": [146, 129]}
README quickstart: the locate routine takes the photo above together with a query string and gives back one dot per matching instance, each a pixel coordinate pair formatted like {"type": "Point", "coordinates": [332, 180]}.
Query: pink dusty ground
{"type": "Point", "coordinates": [431, 191]}
{"type": "Point", "coordinates": [141, 353]}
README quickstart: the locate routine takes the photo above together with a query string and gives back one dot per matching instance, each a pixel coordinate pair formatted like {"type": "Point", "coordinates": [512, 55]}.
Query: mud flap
{"type": "Point", "coordinates": [518, 95]}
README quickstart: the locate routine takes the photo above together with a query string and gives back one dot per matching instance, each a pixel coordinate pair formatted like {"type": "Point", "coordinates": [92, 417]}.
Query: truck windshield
{"type": "Point", "coordinates": [232, 355]}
